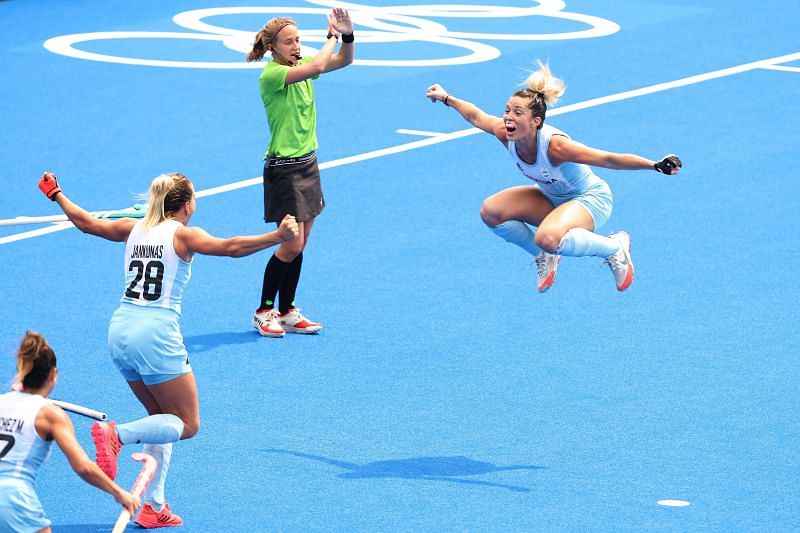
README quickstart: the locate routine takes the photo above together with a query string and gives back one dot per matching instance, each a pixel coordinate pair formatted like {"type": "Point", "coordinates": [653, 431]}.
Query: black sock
{"type": "Point", "coordinates": [288, 288]}
{"type": "Point", "coordinates": [274, 273]}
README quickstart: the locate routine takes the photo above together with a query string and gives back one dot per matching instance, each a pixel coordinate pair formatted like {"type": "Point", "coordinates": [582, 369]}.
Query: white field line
{"type": "Point", "coordinates": [420, 133]}
{"type": "Point", "coordinates": [783, 68]}
{"type": "Point", "coordinates": [36, 232]}
{"type": "Point", "coordinates": [445, 137]}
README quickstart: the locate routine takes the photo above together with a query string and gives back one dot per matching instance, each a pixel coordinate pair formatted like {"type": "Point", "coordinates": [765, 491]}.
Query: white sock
{"type": "Point", "coordinates": [580, 242]}
{"type": "Point", "coordinates": [154, 495]}
{"type": "Point", "coordinates": [517, 232]}
{"type": "Point", "coordinates": [153, 429]}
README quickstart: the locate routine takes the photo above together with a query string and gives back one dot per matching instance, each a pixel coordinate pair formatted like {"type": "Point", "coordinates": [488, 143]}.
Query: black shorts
{"type": "Point", "coordinates": [292, 187]}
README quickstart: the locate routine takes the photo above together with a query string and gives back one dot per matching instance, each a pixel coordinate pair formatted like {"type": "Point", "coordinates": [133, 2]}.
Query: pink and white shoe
{"type": "Point", "coordinates": [620, 262]}
{"type": "Point", "coordinates": [546, 266]}
{"type": "Point", "coordinates": [294, 322]}
{"type": "Point", "coordinates": [268, 323]}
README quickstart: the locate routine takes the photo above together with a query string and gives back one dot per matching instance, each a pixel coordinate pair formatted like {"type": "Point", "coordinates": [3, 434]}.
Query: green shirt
{"type": "Point", "coordinates": [291, 112]}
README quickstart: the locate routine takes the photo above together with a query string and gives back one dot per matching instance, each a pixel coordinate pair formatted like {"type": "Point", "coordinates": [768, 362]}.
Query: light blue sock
{"type": "Point", "coordinates": [153, 429]}
{"type": "Point", "coordinates": [579, 242]}
{"type": "Point", "coordinates": [154, 495]}
{"type": "Point", "coordinates": [517, 232]}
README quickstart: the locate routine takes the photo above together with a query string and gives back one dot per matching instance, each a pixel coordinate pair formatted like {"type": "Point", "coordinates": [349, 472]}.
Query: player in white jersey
{"type": "Point", "coordinates": [144, 334]}
{"type": "Point", "coordinates": [567, 203]}
{"type": "Point", "coordinates": [29, 424]}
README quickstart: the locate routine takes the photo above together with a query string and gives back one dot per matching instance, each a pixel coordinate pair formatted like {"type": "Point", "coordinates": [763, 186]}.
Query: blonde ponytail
{"type": "Point", "coordinates": [168, 193]}
{"type": "Point", "coordinates": [543, 89]}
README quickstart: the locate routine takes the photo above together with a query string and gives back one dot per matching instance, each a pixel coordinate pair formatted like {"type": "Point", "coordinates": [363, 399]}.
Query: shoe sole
{"type": "Point", "coordinates": [629, 278]}
{"type": "Point", "coordinates": [303, 331]}
{"type": "Point", "coordinates": [550, 279]}
{"type": "Point", "coordinates": [99, 439]}
{"type": "Point", "coordinates": [154, 525]}
{"type": "Point", "coordinates": [263, 333]}
{"type": "Point", "coordinates": [269, 334]}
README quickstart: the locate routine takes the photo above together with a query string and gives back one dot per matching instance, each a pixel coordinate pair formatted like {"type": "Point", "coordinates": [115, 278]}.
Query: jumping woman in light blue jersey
{"type": "Point", "coordinates": [144, 336]}
{"type": "Point", "coordinates": [29, 424]}
{"type": "Point", "coordinates": [567, 203]}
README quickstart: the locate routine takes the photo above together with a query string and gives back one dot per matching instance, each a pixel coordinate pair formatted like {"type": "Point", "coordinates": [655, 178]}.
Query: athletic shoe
{"type": "Point", "coordinates": [107, 446]}
{"type": "Point", "coordinates": [293, 322]}
{"type": "Point", "coordinates": [620, 262]}
{"type": "Point", "coordinates": [546, 266]}
{"type": "Point", "coordinates": [268, 324]}
{"type": "Point", "coordinates": [148, 518]}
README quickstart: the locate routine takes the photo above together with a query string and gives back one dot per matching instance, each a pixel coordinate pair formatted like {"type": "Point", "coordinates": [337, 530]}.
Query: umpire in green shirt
{"type": "Point", "coordinates": [291, 173]}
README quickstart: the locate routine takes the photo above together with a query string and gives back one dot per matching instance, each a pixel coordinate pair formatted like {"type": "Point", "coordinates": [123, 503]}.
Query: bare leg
{"type": "Point", "coordinates": [179, 397]}
{"type": "Point", "coordinates": [291, 249]}
{"type": "Point", "coordinates": [559, 221]}
{"type": "Point", "coordinates": [525, 203]}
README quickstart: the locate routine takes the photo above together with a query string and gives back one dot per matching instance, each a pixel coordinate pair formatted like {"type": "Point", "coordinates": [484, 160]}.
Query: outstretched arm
{"type": "Point", "coordinates": [562, 150]}
{"type": "Point", "coordinates": [113, 230]}
{"type": "Point", "coordinates": [471, 113]}
{"type": "Point", "coordinates": [194, 240]}
{"type": "Point", "coordinates": [54, 421]}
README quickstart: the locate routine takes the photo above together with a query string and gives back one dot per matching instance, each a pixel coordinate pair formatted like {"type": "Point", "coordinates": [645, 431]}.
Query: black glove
{"type": "Point", "coordinates": [668, 164]}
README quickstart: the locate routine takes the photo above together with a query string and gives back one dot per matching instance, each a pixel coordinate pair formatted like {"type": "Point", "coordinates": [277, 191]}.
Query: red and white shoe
{"type": "Point", "coordinates": [546, 266]}
{"type": "Point", "coordinates": [107, 446]}
{"type": "Point", "coordinates": [150, 518]}
{"type": "Point", "coordinates": [294, 322]}
{"type": "Point", "coordinates": [268, 323]}
{"type": "Point", "coordinates": [620, 262]}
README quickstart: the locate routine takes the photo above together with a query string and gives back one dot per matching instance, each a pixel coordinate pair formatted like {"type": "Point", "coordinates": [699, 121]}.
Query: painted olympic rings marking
{"type": "Point", "coordinates": [411, 23]}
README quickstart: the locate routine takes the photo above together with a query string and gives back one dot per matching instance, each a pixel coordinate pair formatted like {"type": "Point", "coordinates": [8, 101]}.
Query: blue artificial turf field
{"type": "Point", "coordinates": [444, 393]}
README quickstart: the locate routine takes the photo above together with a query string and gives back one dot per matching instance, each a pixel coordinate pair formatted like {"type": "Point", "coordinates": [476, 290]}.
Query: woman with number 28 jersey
{"type": "Point", "coordinates": [144, 335]}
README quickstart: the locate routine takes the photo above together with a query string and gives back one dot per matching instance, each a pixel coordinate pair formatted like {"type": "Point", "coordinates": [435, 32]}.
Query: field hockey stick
{"type": "Point", "coordinates": [135, 211]}
{"type": "Point", "coordinates": [80, 410]}
{"type": "Point", "coordinates": [142, 481]}
{"type": "Point", "coordinates": [74, 408]}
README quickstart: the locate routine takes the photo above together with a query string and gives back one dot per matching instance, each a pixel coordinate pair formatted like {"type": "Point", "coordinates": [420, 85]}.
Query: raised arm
{"type": "Point", "coordinates": [339, 23]}
{"type": "Point", "coordinates": [53, 422]}
{"type": "Point", "coordinates": [563, 149]}
{"type": "Point", "coordinates": [113, 230]}
{"type": "Point", "coordinates": [315, 67]}
{"type": "Point", "coordinates": [471, 113]}
{"type": "Point", "coordinates": [325, 61]}
{"type": "Point", "coordinates": [189, 241]}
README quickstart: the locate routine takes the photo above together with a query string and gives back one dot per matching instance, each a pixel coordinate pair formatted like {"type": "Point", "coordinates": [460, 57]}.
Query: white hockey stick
{"type": "Point", "coordinates": [136, 211]}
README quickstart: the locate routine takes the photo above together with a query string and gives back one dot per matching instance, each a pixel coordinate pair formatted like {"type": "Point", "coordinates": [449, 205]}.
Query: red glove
{"type": "Point", "coordinates": [49, 185]}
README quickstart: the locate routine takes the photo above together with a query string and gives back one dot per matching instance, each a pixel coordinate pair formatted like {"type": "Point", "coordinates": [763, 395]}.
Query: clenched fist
{"type": "Point", "coordinates": [288, 229]}
{"type": "Point", "coordinates": [49, 185]}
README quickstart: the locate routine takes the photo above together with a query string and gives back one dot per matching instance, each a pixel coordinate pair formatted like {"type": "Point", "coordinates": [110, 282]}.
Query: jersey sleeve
{"type": "Point", "coordinates": [273, 78]}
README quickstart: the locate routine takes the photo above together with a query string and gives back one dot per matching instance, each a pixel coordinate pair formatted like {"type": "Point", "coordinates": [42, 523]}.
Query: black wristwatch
{"type": "Point", "coordinates": [331, 34]}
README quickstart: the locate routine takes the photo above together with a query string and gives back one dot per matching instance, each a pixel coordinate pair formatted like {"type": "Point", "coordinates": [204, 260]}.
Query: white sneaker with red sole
{"type": "Point", "coordinates": [268, 323]}
{"type": "Point", "coordinates": [546, 266]}
{"type": "Point", "coordinates": [620, 262]}
{"type": "Point", "coordinates": [294, 322]}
